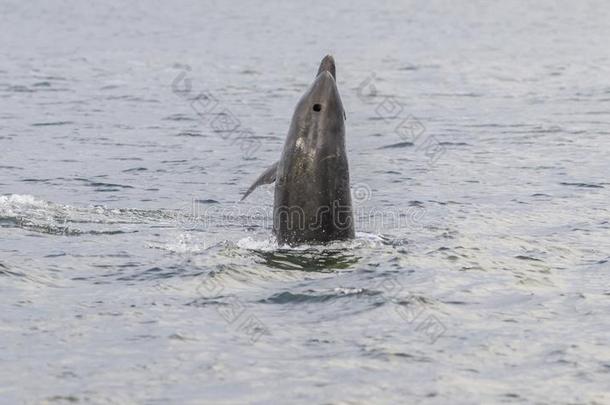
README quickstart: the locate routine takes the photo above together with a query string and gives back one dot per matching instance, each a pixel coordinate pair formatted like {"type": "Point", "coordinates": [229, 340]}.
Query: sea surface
{"type": "Point", "coordinates": [478, 136]}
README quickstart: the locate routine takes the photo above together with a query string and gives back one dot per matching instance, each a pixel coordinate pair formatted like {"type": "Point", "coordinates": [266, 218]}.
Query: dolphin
{"type": "Point", "coordinates": [312, 189]}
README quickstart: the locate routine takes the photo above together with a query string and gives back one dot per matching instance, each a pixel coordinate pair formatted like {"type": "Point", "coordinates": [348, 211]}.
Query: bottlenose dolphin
{"type": "Point", "coordinates": [312, 191]}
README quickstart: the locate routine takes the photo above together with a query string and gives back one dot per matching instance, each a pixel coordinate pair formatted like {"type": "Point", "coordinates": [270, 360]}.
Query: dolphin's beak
{"type": "Point", "coordinates": [328, 65]}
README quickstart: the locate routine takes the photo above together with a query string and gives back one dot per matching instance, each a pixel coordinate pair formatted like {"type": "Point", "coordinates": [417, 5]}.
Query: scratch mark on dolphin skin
{"type": "Point", "coordinates": [333, 156]}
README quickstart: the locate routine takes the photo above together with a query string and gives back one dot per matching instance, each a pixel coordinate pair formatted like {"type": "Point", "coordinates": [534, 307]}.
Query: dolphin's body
{"type": "Point", "coordinates": [312, 191]}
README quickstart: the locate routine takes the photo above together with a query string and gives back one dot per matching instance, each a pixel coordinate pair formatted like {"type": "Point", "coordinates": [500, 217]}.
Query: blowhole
{"type": "Point", "coordinates": [317, 107]}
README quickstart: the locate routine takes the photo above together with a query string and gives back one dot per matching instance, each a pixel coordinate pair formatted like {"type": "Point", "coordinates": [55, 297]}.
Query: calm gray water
{"type": "Point", "coordinates": [478, 138]}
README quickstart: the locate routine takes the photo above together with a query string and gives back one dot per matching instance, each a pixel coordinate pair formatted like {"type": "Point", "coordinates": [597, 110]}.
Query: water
{"type": "Point", "coordinates": [129, 272]}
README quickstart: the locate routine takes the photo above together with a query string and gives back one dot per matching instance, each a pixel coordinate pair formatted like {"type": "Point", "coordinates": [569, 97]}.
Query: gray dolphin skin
{"type": "Point", "coordinates": [312, 191]}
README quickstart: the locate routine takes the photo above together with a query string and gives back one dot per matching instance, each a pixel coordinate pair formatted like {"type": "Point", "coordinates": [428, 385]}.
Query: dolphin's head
{"type": "Point", "coordinates": [321, 105]}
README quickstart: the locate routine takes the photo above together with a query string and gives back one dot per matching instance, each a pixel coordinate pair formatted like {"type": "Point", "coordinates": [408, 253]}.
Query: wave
{"type": "Point", "coordinates": [30, 213]}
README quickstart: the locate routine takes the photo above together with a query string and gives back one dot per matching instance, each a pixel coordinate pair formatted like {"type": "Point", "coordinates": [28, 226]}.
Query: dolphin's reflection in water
{"type": "Point", "coordinates": [311, 260]}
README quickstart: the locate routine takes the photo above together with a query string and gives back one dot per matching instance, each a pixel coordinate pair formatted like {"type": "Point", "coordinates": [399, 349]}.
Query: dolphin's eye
{"type": "Point", "coordinates": [317, 107]}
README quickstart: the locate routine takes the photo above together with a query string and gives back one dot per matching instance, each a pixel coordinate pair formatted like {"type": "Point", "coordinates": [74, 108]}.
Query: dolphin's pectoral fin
{"type": "Point", "coordinates": [267, 177]}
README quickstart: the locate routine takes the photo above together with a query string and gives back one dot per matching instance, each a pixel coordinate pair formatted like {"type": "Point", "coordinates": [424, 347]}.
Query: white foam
{"type": "Point", "coordinates": [270, 244]}
{"type": "Point", "coordinates": [369, 236]}
{"type": "Point", "coordinates": [21, 200]}
{"type": "Point", "coordinates": [265, 245]}
{"type": "Point", "coordinates": [348, 291]}
{"type": "Point", "coordinates": [183, 244]}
